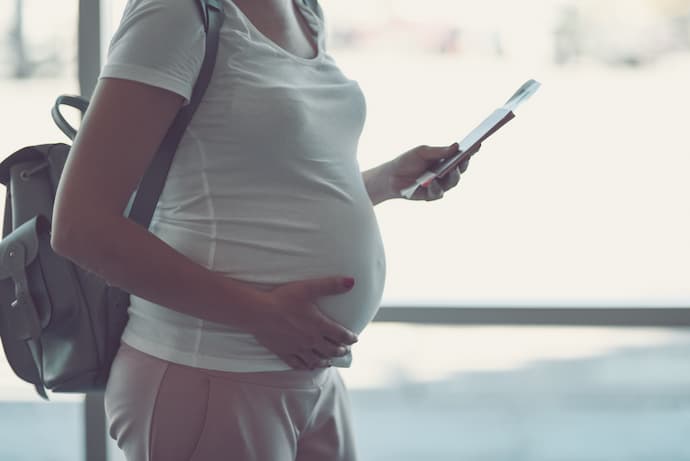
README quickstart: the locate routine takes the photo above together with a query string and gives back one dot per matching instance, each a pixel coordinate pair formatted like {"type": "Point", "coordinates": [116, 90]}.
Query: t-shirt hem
{"type": "Point", "coordinates": [196, 360]}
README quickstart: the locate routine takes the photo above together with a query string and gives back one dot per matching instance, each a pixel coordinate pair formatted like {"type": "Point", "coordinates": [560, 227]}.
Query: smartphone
{"type": "Point", "coordinates": [471, 143]}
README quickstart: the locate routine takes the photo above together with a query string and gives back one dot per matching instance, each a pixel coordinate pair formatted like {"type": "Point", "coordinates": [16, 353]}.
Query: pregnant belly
{"type": "Point", "coordinates": [360, 255]}
{"type": "Point", "coordinates": [354, 309]}
{"type": "Point", "coordinates": [276, 248]}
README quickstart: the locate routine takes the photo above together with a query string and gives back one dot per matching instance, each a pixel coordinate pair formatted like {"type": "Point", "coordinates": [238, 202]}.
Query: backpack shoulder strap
{"type": "Point", "coordinates": [151, 185]}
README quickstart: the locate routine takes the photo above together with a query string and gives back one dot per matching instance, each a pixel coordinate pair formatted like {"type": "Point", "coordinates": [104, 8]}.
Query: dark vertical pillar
{"type": "Point", "coordinates": [89, 53]}
{"type": "Point", "coordinates": [94, 424]}
{"type": "Point", "coordinates": [89, 45]}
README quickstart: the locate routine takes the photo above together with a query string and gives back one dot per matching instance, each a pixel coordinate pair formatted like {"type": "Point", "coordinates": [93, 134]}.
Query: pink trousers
{"type": "Point", "coordinates": [162, 411]}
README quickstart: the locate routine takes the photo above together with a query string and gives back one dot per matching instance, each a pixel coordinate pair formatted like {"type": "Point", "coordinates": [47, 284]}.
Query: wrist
{"type": "Point", "coordinates": [248, 304]}
{"type": "Point", "coordinates": [379, 183]}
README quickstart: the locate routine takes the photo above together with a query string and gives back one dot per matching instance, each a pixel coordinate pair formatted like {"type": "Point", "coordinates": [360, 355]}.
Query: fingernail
{"type": "Point", "coordinates": [454, 146]}
{"type": "Point", "coordinates": [348, 282]}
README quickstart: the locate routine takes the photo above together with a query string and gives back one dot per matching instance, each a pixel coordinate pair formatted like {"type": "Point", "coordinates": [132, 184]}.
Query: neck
{"type": "Point", "coordinates": [279, 11]}
{"type": "Point", "coordinates": [275, 6]}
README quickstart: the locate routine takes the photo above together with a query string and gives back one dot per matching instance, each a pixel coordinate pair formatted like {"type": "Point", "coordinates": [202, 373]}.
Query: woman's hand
{"type": "Point", "coordinates": [291, 325]}
{"type": "Point", "coordinates": [406, 168]}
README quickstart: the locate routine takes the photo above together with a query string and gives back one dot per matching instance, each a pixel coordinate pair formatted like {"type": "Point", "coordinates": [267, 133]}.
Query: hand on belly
{"type": "Point", "coordinates": [356, 308]}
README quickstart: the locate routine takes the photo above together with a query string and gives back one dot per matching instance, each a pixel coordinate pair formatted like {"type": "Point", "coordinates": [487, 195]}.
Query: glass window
{"type": "Point", "coordinates": [519, 393]}
{"type": "Point", "coordinates": [38, 56]}
{"type": "Point", "coordinates": [111, 13]}
{"type": "Point", "coordinates": [582, 199]}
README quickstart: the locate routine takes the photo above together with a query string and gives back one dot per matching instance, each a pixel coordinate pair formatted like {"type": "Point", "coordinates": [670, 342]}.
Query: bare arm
{"type": "Point", "coordinates": [119, 136]}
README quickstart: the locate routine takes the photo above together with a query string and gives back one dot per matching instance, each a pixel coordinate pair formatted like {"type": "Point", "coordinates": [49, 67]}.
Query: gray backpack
{"type": "Point", "coordinates": [60, 324]}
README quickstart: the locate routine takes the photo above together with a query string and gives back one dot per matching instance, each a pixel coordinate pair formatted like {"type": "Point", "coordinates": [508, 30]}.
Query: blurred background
{"type": "Point", "coordinates": [580, 205]}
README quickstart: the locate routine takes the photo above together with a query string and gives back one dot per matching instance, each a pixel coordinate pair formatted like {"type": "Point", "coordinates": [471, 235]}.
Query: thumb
{"type": "Point", "coordinates": [329, 286]}
{"type": "Point", "coordinates": [432, 154]}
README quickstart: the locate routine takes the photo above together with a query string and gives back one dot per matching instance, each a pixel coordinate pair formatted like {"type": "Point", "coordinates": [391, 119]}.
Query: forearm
{"type": "Point", "coordinates": [128, 256]}
{"type": "Point", "coordinates": [377, 183]}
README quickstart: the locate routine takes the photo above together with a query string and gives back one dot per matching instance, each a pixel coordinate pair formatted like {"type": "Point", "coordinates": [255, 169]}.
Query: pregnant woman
{"type": "Point", "coordinates": [263, 260]}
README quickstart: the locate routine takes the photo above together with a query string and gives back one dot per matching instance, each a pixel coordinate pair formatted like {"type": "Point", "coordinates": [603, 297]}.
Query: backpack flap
{"type": "Point", "coordinates": [23, 313]}
{"type": "Point", "coordinates": [46, 332]}
{"type": "Point", "coordinates": [17, 252]}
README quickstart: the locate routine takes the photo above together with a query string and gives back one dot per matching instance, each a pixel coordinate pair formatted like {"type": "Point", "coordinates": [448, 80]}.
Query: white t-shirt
{"type": "Point", "coordinates": [265, 187]}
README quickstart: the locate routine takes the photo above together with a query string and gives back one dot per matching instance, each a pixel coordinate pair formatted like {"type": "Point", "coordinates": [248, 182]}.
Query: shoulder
{"type": "Point", "coordinates": [170, 7]}
{"type": "Point", "coordinates": [160, 43]}
{"type": "Point", "coordinates": [150, 27]}
{"type": "Point", "coordinates": [166, 17]}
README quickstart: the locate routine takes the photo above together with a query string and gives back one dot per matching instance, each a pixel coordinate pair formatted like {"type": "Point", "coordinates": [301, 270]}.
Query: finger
{"type": "Point", "coordinates": [434, 191]}
{"type": "Point", "coordinates": [304, 362]}
{"type": "Point", "coordinates": [450, 180]}
{"type": "Point", "coordinates": [319, 353]}
{"type": "Point", "coordinates": [333, 331]}
{"type": "Point", "coordinates": [452, 149]}
{"type": "Point", "coordinates": [312, 358]}
{"type": "Point", "coordinates": [433, 153]}
{"type": "Point", "coordinates": [326, 286]}
{"type": "Point", "coordinates": [464, 164]}
{"type": "Point", "coordinates": [325, 361]}
{"type": "Point", "coordinates": [294, 361]}
{"type": "Point", "coordinates": [327, 350]}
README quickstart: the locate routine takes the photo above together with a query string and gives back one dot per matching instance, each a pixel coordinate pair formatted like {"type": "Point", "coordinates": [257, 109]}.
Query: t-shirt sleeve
{"type": "Point", "coordinates": [160, 43]}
